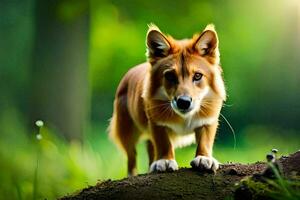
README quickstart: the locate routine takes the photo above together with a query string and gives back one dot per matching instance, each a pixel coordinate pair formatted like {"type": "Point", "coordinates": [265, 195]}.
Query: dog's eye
{"type": "Point", "coordinates": [171, 77]}
{"type": "Point", "coordinates": [197, 76]}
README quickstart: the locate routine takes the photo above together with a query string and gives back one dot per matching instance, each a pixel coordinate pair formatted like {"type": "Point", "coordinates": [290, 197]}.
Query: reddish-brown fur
{"type": "Point", "coordinates": [142, 102]}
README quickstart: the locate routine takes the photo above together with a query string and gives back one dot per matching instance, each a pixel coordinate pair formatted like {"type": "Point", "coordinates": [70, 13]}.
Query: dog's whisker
{"type": "Point", "coordinates": [158, 106]}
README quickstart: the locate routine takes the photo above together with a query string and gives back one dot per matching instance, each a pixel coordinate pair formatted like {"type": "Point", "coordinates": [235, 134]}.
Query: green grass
{"type": "Point", "coordinates": [66, 167]}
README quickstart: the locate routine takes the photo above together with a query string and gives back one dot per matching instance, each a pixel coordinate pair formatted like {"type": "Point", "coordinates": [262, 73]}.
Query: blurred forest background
{"type": "Point", "coordinates": [61, 61]}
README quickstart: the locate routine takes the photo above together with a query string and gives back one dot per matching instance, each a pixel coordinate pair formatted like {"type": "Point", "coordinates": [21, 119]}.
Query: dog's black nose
{"type": "Point", "coordinates": [184, 102]}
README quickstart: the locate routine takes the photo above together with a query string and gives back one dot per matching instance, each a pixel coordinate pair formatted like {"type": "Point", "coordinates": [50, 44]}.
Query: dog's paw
{"type": "Point", "coordinates": [205, 163]}
{"type": "Point", "coordinates": [163, 165]}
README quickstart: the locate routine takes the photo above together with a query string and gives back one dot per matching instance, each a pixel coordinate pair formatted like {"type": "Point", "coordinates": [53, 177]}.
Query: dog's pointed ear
{"type": "Point", "coordinates": [157, 43]}
{"type": "Point", "coordinates": [207, 44]}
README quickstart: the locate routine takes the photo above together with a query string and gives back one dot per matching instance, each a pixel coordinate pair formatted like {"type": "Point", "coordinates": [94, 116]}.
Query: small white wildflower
{"type": "Point", "coordinates": [39, 123]}
{"type": "Point", "coordinates": [39, 137]}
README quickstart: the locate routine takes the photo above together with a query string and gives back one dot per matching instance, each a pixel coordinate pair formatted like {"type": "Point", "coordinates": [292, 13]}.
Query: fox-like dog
{"type": "Point", "coordinates": [173, 100]}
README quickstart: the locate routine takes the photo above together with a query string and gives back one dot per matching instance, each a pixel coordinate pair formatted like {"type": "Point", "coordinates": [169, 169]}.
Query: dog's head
{"type": "Point", "coordinates": [184, 72]}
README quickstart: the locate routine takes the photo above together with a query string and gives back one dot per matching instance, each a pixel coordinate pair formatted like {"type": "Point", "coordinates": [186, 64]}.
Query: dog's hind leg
{"type": "Point", "coordinates": [124, 132]}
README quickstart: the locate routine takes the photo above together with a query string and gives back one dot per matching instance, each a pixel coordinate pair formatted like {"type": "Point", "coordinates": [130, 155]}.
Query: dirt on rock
{"type": "Point", "coordinates": [185, 183]}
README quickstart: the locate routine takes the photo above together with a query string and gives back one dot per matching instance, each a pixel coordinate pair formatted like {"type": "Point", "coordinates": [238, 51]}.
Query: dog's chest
{"type": "Point", "coordinates": [188, 125]}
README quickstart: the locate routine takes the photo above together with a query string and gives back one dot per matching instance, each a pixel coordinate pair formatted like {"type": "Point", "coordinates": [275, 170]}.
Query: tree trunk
{"type": "Point", "coordinates": [184, 183]}
{"type": "Point", "coordinates": [60, 66]}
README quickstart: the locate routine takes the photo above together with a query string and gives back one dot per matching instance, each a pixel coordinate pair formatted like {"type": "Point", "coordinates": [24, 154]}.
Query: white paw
{"type": "Point", "coordinates": [205, 163]}
{"type": "Point", "coordinates": [163, 165]}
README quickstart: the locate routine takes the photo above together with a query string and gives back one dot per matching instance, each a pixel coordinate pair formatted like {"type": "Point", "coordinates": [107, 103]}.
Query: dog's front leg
{"type": "Point", "coordinates": [164, 152]}
{"type": "Point", "coordinates": [205, 137]}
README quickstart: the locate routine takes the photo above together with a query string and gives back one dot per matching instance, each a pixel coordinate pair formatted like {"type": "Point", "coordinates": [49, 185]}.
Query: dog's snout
{"type": "Point", "coordinates": [183, 102]}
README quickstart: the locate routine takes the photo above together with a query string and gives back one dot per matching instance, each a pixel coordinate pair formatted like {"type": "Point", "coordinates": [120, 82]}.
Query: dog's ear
{"type": "Point", "coordinates": [207, 44]}
{"type": "Point", "coordinates": [158, 45]}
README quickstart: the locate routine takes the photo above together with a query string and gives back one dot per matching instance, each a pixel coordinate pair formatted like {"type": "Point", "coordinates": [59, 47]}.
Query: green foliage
{"type": "Point", "coordinates": [68, 10]}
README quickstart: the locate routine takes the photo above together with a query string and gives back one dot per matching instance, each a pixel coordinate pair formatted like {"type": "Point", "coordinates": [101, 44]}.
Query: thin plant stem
{"type": "Point", "coordinates": [35, 179]}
